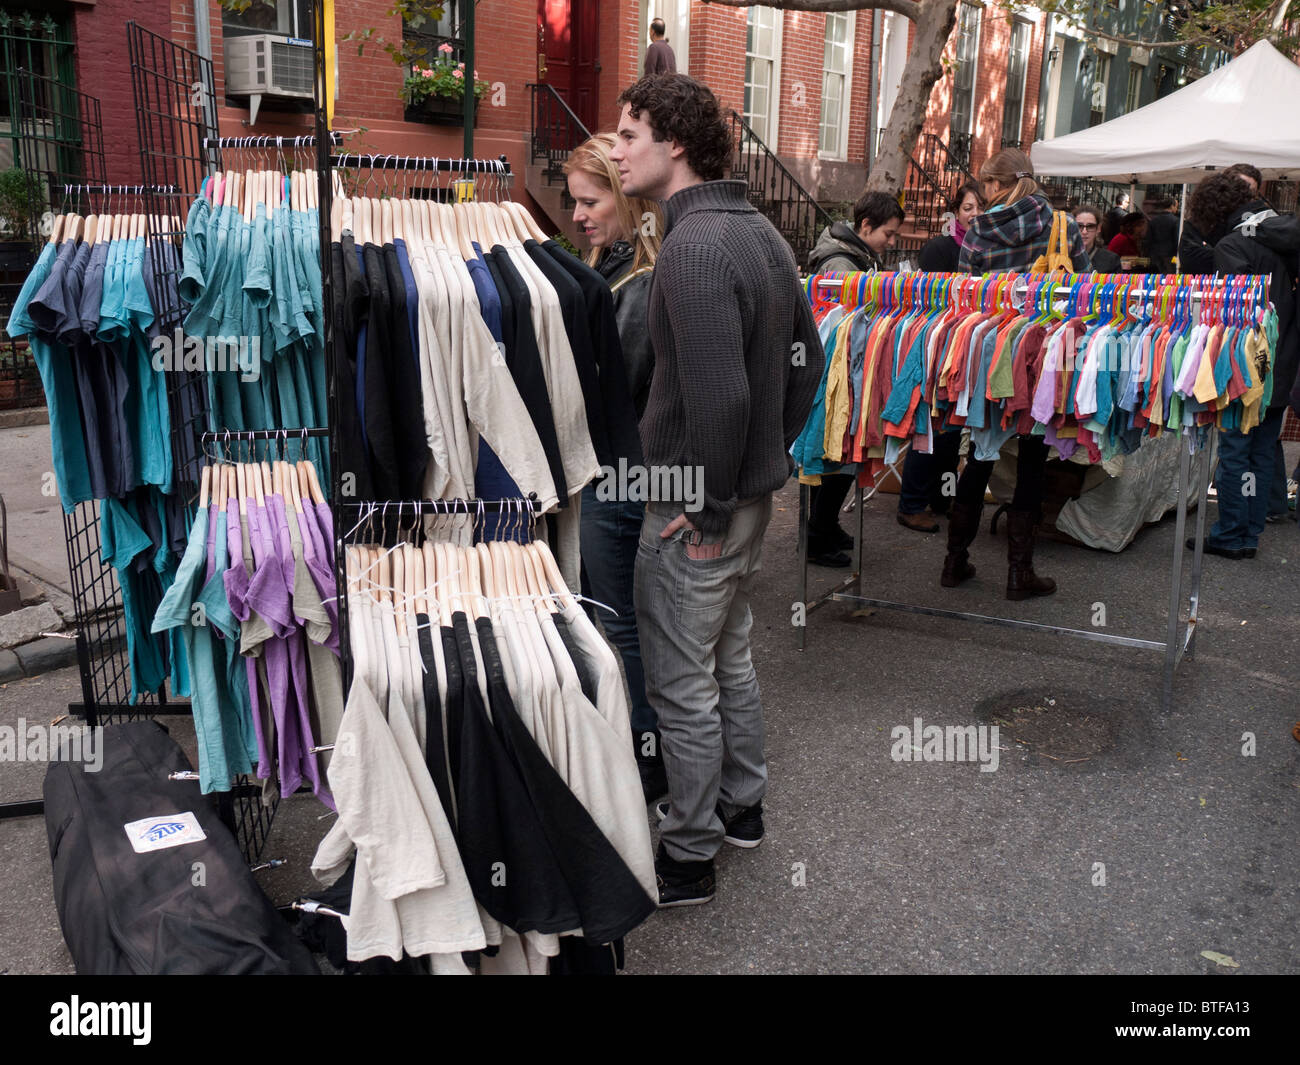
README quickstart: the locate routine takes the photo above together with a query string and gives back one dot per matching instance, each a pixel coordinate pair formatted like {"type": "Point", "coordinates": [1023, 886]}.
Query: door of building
{"type": "Point", "coordinates": [567, 59]}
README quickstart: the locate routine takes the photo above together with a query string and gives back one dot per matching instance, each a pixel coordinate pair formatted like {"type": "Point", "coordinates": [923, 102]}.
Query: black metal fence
{"type": "Point", "coordinates": [556, 132]}
{"type": "Point", "coordinates": [934, 175]}
{"type": "Point", "coordinates": [775, 191]}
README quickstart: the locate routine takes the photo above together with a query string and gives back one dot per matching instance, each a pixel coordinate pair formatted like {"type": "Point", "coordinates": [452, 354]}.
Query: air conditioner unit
{"type": "Point", "coordinates": [264, 64]}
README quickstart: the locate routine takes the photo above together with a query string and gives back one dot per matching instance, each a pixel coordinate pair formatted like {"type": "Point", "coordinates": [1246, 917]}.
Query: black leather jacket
{"type": "Point", "coordinates": [631, 300]}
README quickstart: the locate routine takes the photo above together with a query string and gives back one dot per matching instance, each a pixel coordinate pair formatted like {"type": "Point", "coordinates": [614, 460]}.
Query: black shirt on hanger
{"type": "Point", "coordinates": [602, 325]}
{"type": "Point", "coordinates": [349, 298]}
{"type": "Point", "coordinates": [525, 361]}
{"type": "Point", "coordinates": [508, 859]}
{"type": "Point", "coordinates": [610, 898]}
{"type": "Point", "coordinates": [574, 309]}
{"type": "Point", "coordinates": [378, 393]}
{"type": "Point", "coordinates": [405, 395]}
{"type": "Point", "coordinates": [435, 747]}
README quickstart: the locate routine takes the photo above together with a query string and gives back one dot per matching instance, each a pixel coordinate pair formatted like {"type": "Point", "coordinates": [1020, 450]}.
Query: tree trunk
{"type": "Point", "coordinates": [933, 23]}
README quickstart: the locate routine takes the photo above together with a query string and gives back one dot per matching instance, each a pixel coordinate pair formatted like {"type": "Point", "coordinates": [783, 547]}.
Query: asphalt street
{"type": "Point", "coordinates": [1111, 838]}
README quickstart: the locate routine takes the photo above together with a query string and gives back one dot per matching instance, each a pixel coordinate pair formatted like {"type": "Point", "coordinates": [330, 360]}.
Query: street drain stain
{"type": "Point", "coordinates": [1063, 729]}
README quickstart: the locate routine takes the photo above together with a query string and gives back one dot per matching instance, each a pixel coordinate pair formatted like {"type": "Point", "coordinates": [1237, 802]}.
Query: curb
{"type": "Point", "coordinates": [24, 416]}
{"type": "Point", "coordinates": [39, 656]}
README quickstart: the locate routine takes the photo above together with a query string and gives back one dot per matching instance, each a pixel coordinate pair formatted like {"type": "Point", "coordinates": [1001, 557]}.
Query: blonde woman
{"type": "Point", "coordinates": [624, 234]}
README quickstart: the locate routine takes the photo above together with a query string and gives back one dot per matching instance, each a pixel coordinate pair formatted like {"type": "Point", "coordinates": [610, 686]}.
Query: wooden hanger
{"type": "Point", "coordinates": [421, 592]}
{"type": "Point", "coordinates": [385, 222]}
{"type": "Point", "coordinates": [550, 571]}
{"type": "Point", "coordinates": [399, 590]}
{"type": "Point", "coordinates": [438, 612]}
{"type": "Point", "coordinates": [524, 219]}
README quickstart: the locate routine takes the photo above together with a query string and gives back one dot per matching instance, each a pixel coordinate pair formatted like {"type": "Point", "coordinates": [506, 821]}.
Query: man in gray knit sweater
{"type": "Point", "coordinates": [737, 362]}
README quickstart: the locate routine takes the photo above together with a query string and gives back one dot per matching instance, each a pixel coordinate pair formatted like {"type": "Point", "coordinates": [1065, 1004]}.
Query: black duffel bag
{"type": "Point", "coordinates": [137, 889]}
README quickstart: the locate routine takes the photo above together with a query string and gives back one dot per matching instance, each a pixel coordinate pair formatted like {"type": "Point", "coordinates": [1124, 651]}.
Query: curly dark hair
{"type": "Point", "coordinates": [681, 109]}
{"type": "Point", "coordinates": [1246, 170]}
{"type": "Point", "coordinates": [1214, 202]}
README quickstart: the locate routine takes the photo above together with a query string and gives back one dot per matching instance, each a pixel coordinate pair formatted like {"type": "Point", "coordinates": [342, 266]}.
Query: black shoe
{"type": "Point", "coordinates": [829, 559]}
{"type": "Point", "coordinates": [743, 829]}
{"type": "Point", "coordinates": [1210, 548]}
{"type": "Point", "coordinates": [683, 883]}
{"type": "Point", "coordinates": [840, 539]}
{"type": "Point", "coordinates": [654, 779]}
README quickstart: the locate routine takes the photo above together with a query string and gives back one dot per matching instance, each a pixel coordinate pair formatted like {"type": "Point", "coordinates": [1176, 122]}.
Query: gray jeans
{"type": "Point", "coordinates": [694, 620]}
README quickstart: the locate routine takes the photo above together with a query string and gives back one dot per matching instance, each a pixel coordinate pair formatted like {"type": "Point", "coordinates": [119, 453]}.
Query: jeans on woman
{"type": "Point", "coordinates": [610, 533]}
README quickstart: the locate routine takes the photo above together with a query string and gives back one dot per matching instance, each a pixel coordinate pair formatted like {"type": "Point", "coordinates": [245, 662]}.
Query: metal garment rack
{"type": "Point", "coordinates": [1180, 639]}
{"type": "Point", "coordinates": [361, 515]}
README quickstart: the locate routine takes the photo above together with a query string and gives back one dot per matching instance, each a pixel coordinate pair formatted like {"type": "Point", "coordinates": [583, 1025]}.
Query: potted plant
{"type": "Point", "coordinates": [20, 202]}
{"type": "Point", "coordinates": [437, 89]}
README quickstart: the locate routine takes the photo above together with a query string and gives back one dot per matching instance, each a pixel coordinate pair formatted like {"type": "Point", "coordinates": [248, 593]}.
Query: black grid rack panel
{"type": "Point", "coordinates": [175, 116]}
{"type": "Point", "coordinates": [61, 140]}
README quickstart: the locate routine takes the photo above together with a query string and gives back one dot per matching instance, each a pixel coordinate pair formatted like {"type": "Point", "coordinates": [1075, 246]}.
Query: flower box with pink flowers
{"type": "Point", "coordinates": [437, 89]}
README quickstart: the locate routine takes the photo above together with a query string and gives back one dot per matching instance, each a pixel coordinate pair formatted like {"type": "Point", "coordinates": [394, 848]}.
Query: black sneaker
{"type": "Point", "coordinates": [745, 829]}
{"type": "Point", "coordinates": [683, 883]}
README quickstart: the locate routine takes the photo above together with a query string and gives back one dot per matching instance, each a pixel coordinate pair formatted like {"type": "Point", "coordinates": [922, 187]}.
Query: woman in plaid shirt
{"type": "Point", "coordinates": [1011, 234]}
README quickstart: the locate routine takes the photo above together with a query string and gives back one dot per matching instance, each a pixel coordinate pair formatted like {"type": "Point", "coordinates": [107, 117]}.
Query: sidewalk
{"type": "Point", "coordinates": [38, 554]}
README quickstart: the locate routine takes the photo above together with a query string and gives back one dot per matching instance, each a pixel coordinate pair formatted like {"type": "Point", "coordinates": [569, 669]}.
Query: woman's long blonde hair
{"type": "Point", "coordinates": [1010, 167]}
{"type": "Point", "coordinates": [645, 234]}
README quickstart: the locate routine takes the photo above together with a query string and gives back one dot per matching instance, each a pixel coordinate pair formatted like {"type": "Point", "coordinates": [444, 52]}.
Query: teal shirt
{"type": "Point", "coordinates": [67, 440]}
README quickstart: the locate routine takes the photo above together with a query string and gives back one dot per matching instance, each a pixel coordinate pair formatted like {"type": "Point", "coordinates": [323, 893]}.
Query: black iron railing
{"type": "Point", "coordinates": [1069, 192]}
{"type": "Point", "coordinates": [556, 132]}
{"type": "Point", "coordinates": [933, 178]}
{"type": "Point", "coordinates": [957, 150]}
{"type": "Point", "coordinates": [775, 191]}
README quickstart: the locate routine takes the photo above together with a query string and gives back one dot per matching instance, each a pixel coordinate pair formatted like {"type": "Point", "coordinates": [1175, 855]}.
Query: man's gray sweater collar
{"type": "Point", "coordinates": [722, 195]}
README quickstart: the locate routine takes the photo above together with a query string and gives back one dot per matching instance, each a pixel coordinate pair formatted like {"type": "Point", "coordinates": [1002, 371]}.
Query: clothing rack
{"type": "Point", "coordinates": [1180, 639]}
{"type": "Point", "coordinates": [122, 190]}
{"type": "Point", "coordinates": [302, 141]}
{"type": "Point", "coordinates": [488, 167]}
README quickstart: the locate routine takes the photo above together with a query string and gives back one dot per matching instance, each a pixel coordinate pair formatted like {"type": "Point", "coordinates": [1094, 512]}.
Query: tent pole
{"type": "Point", "coordinates": [1182, 213]}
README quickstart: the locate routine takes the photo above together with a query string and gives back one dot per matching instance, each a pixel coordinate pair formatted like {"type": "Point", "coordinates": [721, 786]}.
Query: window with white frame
{"type": "Point", "coordinates": [1013, 106]}
{"type": "Point", "coordinates": [293, 18]}
{"type": "Point", "coordinates": [1133, 94]}
{"type": "Point", "coordinates": [1100, 82]}
{"type": "Point", "coordinates": [762, 49]}
{"type": "Point", "coordinates": [963, 82]}
{"type": "Point", "coordinates": [836, 67]}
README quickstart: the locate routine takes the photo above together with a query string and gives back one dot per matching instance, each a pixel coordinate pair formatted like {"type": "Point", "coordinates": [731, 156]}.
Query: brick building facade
{"type": "Point", "coordinates": [721, 46]}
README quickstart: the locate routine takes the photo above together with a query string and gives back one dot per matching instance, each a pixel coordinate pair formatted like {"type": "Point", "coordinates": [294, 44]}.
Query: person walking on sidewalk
{"type": "Point", "coordinates": [1010, 235]}
{"type": "Point", "coordinates": [624, 235]}
{"type": "Point", "coordinates": [737, 363]}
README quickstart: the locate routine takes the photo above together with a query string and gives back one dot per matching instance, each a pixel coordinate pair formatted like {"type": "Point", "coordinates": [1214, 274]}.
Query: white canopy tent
{"type": "Point", "coordinates": [1247, 111]}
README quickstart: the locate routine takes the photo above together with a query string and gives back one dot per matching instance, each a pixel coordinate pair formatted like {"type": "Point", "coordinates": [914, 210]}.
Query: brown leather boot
{"type": "Point", "coordinates": [1022, 581]}
{"type": "Point", "coordinates": [963, 524]}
